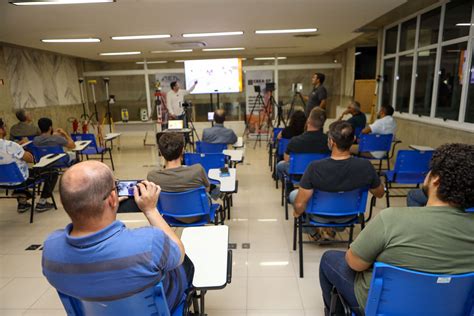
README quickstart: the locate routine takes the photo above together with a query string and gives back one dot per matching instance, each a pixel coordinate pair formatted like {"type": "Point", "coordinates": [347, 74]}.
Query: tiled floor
{"type": "Point", "coordinates": [265, 277]}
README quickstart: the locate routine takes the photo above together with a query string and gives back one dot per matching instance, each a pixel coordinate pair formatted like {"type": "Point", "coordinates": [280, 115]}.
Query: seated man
{"type": "Point", "coordinates": [176, 177]}
{"type": "Point", "coordinates": [385, 124]}
{"type": "Point", "coordinates": [312, 141]}
{"type": "Point", "coordinates": [97, 258]}
{"type": "Point", "coordinates": [218, 134]}
{"type": "Point", "coordinates": [340, 172]}
{"type": "Point", "coordinates": [438, 238]}
{"type": "Point", "coordinates": [51, 137]}
{"type": "Point", "coordinates": [23, 128]}
{"type": "Point", "coordinates": [12, 152]}
{"type": "Point", "coordinates": [358, 119]}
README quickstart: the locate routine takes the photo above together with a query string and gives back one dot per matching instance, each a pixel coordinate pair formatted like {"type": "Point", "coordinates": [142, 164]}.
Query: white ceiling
{"type": "Point", "coordinates": [335, 19]}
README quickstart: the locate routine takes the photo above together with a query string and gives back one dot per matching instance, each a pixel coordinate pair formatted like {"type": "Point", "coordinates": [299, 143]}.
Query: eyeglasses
{"type": "Point", "coordinates": [115, 188]}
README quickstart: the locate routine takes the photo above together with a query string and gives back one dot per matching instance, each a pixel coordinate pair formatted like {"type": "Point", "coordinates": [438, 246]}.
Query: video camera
{"type": "Point", "coordinates": [296, 87]}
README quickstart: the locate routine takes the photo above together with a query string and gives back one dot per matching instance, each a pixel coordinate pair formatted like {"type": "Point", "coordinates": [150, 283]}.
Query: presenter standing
{"type": "Point", "coordinates": [319, 94]}
{"type": "Point", "coordinates": [175, 100]}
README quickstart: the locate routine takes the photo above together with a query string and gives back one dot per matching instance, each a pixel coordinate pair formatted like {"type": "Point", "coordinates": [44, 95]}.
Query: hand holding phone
{"type": "Point", "coordinates": [126, 187]}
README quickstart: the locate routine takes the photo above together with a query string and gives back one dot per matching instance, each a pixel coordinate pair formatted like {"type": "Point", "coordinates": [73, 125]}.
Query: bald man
{"type": "Point", "coordinates": [218, 134]}
{"type": "Point", "coordinates": [96, 257]}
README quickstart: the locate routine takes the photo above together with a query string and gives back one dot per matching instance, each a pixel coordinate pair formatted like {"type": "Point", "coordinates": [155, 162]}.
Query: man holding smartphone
{"type": "Point", "coordinates": [97, 258]}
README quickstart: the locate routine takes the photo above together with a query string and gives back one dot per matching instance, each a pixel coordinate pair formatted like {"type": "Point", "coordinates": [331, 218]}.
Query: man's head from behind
{"type": "Point", "coordinates": [23, 116]}
{"type": "Point", "coordinates": [171, 146]}
{"type": "Point", "coordinates": [451, 176]}
{"type": "Point", "coordinates": [88, 193]}
{"type": "Point", "coordinates": [219, 116]}
{"type": "Point", "coordinates": [341, 136]}
{"type": "Point", "coordinates": [316, 119]}
{"type": "Point", "coordinates": [45, 125]}
{"type": "Point", "coordinates": [386, 110]}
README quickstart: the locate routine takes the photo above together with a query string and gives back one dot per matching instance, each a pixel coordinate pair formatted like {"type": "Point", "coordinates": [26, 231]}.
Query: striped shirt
{"type": "Point", "coordinates": [113, 263]}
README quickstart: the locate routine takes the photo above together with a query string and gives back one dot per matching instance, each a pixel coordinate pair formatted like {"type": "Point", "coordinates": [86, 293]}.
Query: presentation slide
{"type": "Point", "coordinates": [214, 75]}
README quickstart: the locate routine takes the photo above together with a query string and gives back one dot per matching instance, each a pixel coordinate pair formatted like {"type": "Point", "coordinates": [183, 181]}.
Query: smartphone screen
{"type": "Point", "coordinates": [126, 187]}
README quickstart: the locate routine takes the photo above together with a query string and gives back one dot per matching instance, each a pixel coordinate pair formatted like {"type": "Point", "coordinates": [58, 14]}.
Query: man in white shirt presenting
{"type": "Point", "coordinates": [385, 124]}
{"type": "Point", "coordinates": [175, 100]}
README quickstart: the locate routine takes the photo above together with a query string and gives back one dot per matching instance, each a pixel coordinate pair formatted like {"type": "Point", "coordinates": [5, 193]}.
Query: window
{"type": "Point", "coordinates": [407, 35]}
{"type": "Point", "coordinates": [453, 62]}
{"type": "Point", "coordinates": [429, 28]}
{"type": "Point", "coordinates": [470, 97]}
{"type": "Point", "coordinates": [424, 78]}
{"type": "Point", "coordinates": [388, 75]}
{"type": "Point", "coordinates": [391, 40]}
{"type": "Point", "coordinates": [457, 19]}
{"type": "Point", "coordinates": [405, 67]}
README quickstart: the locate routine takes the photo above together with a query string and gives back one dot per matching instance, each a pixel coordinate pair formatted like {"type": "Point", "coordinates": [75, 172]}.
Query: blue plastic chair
{"type": "Point", "coordinates": [176, 205]}
{"type": "Point", "coordinates": [12, 178]}
{"type": "Point", "coordinates": [332, 204]}
{"type": "Point", "coordinates": [209, 148]}
{"type": "Point", "coordinates": [93, 148]}
{"type": "Point", "coordinates": [376, 142]}
{"type": "Point", "coordinates": [272, 145]}
{"type": "Point", "coordinates": [281, 146]}
{"type": "Point", "coordinates": [402, 292]}
{"type": "Point", "coordinates": [470, 210]}
{"type": "Point", "coordinates": [151, 301]}
{"type": "Point", "coordinates": [298, 164]}
{"type": "Point", "coordinates": [41, 151]}
{"type": "Point", "coordinates": [207, 161]}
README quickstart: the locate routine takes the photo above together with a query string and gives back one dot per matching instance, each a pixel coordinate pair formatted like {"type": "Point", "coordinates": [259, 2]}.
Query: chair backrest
{"type": "Point", "coordinates": [40, 151]}
{"type": "Point", "coordinates": [10, 173]}
{"type": "Point", "coordinates": [402, 292]}
{"type": "Point", "coordinates": [209, 148]}
{"type": "Point", "coordinates": [184, 204]}
{"type": "Point", "coordinates": [357, 131]}
{"type": "Point", "coordinates": [88, 136]}
{"type": "Point", "coordinates": [151, 301]}
{"type": "Point", "coordinates": [207, 161]}
{"type": "Point", "coordinates": [276, 131]}
{"type": "Point", "coordinates": [299, 162]}
{"type": "Point", "coordinates": [282, 145]}
{"type": "Point", "coordinates": [470, 210]}
{"type": "Point", "coordinates": [412, 165]}
{"type": "Point", "coordinates": [375, 142]}
{"type": "Point", "coordinates": [338, 203]}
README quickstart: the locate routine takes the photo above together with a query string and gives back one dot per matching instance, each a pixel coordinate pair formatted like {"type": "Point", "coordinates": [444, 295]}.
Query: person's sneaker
{"type": "Point", "coordinates": [23, 207]}
{"type": "Point", "coordinates": [43, 207]}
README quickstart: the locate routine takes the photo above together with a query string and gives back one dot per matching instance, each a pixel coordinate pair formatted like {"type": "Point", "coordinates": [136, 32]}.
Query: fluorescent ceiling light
{"type": "Point", "coordinates": [120, 53]}
{"type": "Point", "coordinates": [358, 53]}
{"type": "Point", "coordinates": [179, 61]}
{"type": "Point", "coordinates": [171, 51]}
{"type": "Point", "coordinates": [274, 263]}
{"type": "Point", "coordinates": [464, 24]}
{"type": "Point", "coordinates": [52, 2]}
{"type": "Point", "coordinates": [138, 37]}
{"type": "Point", "coordinates": [71, 40]}
{"type": "Point", "coordinates": [286, 31]}
{"type": "Point", "coordinates": [222, 49]}
{"type": "Point", "coordinates": [212, 34]}
{"type": "Point", "coordinates": [268, 58]}
{"type": "Point", "coordinates": [152, 62]}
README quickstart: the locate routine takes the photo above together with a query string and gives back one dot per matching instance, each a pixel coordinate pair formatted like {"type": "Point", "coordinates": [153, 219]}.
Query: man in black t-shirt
{"type": "Point", "coordinates": [340, 172]}
{"type": "Point", "coordinates": [311, 141]}
{"type": "Point", "coordinates": [318, 96]}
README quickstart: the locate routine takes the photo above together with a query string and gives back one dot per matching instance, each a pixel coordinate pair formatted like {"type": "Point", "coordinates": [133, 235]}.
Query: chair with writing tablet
{"type": "Point", "coordinates": [94, 148]}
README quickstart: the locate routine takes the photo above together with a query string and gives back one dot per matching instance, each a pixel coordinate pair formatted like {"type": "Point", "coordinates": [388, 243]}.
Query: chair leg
{"type": "Point", "coordinates": [388, 163]}
{"type": "Point", "coordinates": [286, 201]}
{"type": "Point", "coordinates": [387, 196]}
{"type": "Point", "coordinates": [362, 221]}
{"type": "Point", "coordinates": [351, 235]}
{"type": "Point", "coordinates": [300, 244]}
{"type": "Point", "coordinates": [380, 166]}
{"type": "Point", "coordinates": [231, 200]}
{"type": "Point", "coordinates": [32, 212]}
{"type": "Point", "coordinates": [373, 200]}
{"type": "Point", "coordinates": [111, 159]}
{"type": "Point", "coordinates": [295, 227]}
{"type": "Point", "coordinates": [54, 201]}
{"type": "Point", "coordinates": [228, 206]}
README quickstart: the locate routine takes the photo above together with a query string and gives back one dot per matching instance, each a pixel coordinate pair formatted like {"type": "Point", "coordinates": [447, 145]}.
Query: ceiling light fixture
{"type": "Point", "coordinates": [179, 61]}
{"type": "Point", "coordinates": [222, 49]}
{"type": "Point", "coordinates": [358, 53]}
{"type": "Point", "coordinates": [269, 58]}
{"type": "Point", "coordinates": [286, 31]}
{"type": "Point", "coordinates": [139, 37]}
{"type": "Point", "coordinates": [120, 53]}
{"type": "Point", "coordinates": [171, 51]}
{"type": "Point", "coordinates": [465, 24]}
{"type": "Point", "coordinates": [53, 2]}
{"type": "Point", "coordinates": [152, 62]}
{"type": "Point", "coordinates": [212, 34]}
{"type": "Point", "coordinates": [71, 40]}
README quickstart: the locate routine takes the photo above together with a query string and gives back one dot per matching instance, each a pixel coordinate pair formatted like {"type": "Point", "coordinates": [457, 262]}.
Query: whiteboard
{"type": "Point", "coordinates": [214, 75]}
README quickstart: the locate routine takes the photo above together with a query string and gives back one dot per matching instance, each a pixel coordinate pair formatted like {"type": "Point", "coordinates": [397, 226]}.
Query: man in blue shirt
{"type": "Point", "coordinates": [97, 258]}
{"type": "Point", "coordinates": [218, 134]}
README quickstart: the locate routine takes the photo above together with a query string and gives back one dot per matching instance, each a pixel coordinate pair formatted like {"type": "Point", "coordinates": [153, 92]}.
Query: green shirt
{"type": "Point", "coordinates": [428, 239]}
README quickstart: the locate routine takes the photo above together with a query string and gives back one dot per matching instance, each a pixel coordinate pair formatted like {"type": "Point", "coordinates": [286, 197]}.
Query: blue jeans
{"type": "Point", "coordinates": [282, 169]}
{"type": "Point", "coordinates": [334, 271]}
{"type": "Point", "coordinates": [416, 198]}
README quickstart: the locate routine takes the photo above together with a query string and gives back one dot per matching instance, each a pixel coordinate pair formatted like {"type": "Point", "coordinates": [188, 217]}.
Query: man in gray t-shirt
{"type": "Point", "coordinates": [23, 128]}
{"type": "Point", "coordinates": [319, 94]}
{"type": "Point", "coordinates": [50, 137]}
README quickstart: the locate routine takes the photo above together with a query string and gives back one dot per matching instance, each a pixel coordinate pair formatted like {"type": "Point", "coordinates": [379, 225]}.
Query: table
{"type": "Point", "coordinates": [236, 155]}
{"type": "Point", "coordinates": [48, 160]}
{"type": "Point", "coordinates": [228, 184]}
{"type": "Point", "coordinates": [421, 148]}
{"type": "Point", "coordinates": [110, 137]}
{"type": "Point", "coordinates": [187, 133]}
{"type": "Point", "coordinates": [80, 146]}
{"type": "Point", "coordinates": [207, 247]}
{"type": "Point", "coordinates": [239, 143]}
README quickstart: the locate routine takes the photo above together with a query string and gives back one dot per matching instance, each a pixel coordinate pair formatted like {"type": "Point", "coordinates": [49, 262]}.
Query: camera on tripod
{"type": "Point", "coordinates": [187, 105]}
{"type": "Point", "coordinates": [296, 87]}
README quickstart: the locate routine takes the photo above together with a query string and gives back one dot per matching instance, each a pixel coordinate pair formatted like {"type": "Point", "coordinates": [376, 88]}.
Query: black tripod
{"type": "Point", "coordinates": [293, 102]}
{"type": "Point", "coordinates": [188, 123]}
{"type": "Point", "coordinates": [258, 101]}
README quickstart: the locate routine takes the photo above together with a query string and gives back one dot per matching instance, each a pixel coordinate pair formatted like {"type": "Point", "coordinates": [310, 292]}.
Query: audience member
{"type": "Point", "coordinates": [319, 94]}
{"type": "Point", "coordinates": [23, 128]}
{"type": "Point", "coordinates": [312, 141]}
{"type": "Point", "coordinates": [218, 134]}
{"type": "Point", "coordinates": [358, 119]}
{"type": "Point", "coordinates": [340, 172]}
{"type": "Point", "coordinates": [13, 152]}
{"type": "Point", "coordinates": [51, 137]}
{"type": "Point", "coordinates": [97, 258]}
{"type": "Point", "coordinates": [438, 238]}
{"type": "Point", "coordinates": [295, 127]}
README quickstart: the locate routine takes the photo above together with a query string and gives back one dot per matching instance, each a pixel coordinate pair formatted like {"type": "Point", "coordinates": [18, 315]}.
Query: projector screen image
{"type": "Point", "coordinates": [214, 75]}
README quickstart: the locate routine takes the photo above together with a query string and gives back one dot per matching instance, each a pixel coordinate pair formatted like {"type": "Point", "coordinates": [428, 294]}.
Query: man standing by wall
{"type": "Point", "coordinates": [319, 95]}
{"type": "Point", "coordinates": [175, 100]}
